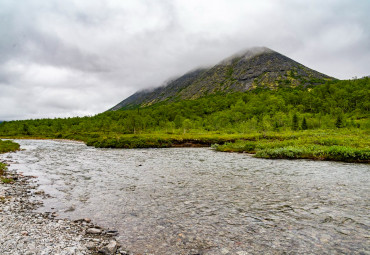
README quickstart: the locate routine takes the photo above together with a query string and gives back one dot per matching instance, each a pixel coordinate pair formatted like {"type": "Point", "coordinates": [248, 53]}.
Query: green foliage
{"type": "Point", "coordinates": [337, 153]}
{"type": "Point", "coordinates": [339, 122]}
{"type": "Point", "coordinates": [3, 170]}
{"type": "Point", "coordinates": [295, 122]}
{"type": "Point", "coordinates": [262, 119]}
{"type": "Point", "coordinates": [283, 152]}
{"type": "Point", "coordinates": [6, 146]}
{"type": "Point", "coordinates": [255, 110]}
{"type": "Point", "coordinates": [238, 146]}
{"type": "Point", "coordinates": [304, 124]}
{"type": "Point", "coordinates": [6, 180]}
{"type": "Point", "coordinates": [344, 146]}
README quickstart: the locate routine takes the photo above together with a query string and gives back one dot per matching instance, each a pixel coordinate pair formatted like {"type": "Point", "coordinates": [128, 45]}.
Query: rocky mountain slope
{"type": "Point", "coordinates": [256, 67]}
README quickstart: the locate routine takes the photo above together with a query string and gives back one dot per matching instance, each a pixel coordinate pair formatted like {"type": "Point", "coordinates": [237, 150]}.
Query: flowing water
{"type": "Point", "coordinates": [198, 201]}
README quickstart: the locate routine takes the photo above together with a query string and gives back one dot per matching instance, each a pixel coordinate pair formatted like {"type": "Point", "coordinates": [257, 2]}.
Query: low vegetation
{"type": "Point", "coordinates": [6, 146]}
{"type": "Point", "coordinates": [326, 121]}
{"type": "Point", "coordinates": [345, 145]}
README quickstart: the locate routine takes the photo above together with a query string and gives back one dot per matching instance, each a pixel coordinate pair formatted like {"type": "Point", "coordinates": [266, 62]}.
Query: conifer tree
{"type": "Point", "coordinates": [295, 122]}
{"type": "Point", "coordinates": [304, 124]}
{"type": "Point", "coordinates": [339, 122]}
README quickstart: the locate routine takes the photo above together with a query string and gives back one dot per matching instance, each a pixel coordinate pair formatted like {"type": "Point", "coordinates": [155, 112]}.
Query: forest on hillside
{"type": "Point", "coordinates": [328, 121]}
{"type": "Point", "coordinates": [335, 104]}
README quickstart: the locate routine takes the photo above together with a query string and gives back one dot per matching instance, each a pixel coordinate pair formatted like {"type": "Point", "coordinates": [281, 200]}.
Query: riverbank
{"type": "Point", "coordinates": [24, 231]}
{"type": "Point", "coordinates": [351, 147]}
{"type": "Point", "coordinates": [198, 201]}
{"type": "Point", "coordinates": [347, 145]}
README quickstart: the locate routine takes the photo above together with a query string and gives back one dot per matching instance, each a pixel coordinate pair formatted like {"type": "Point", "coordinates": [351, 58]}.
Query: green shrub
{"type": "Point", "coordinates": [7, 146]}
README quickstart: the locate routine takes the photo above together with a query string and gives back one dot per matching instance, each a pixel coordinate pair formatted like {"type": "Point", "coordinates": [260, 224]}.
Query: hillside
{"type": "Point", "coordinates": [256, 67]}
{"type": "Point", "coordinates": [326, 121]}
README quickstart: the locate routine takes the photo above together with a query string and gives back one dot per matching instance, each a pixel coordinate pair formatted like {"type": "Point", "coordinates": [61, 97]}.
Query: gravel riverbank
{"type": "Point", "coordinates": [23, 231]}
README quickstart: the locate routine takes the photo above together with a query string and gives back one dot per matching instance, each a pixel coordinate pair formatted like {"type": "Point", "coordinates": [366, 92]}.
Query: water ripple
{"type": "Point", "coordinates": [189, 200]}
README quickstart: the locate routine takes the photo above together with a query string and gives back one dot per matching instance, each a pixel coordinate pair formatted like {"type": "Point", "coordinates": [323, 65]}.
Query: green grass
{"type": "Point", "coordinates": [3, 170]}
{"type": "Point", "coordinates": [347, 146]}
{"type": "Point", "coordinates": [6, 146]}
{"type": "Point", "coordinates": [6, 180]}
{"type": "Point", "coordinates": [159, 140]}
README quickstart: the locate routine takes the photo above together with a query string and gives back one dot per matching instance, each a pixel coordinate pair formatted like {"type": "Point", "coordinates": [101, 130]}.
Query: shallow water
{"type": "Point", "coordinates": [195, 200]}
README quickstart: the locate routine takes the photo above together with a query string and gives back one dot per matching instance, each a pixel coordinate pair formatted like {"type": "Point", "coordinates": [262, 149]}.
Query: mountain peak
{"type": "Point", "coordinates": [247, 54]}
{"type": "Point", "coordinates": [246, 70]}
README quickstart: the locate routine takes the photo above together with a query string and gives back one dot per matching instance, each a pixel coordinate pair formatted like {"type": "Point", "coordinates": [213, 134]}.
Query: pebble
{"type": "Point", "coordinates": [224, 251]}
{"type": "Point", "coordinates": [24, 231]}
{"type": "Point", "coordinates": [91, 245]}
{"type": "Point", "coordinates": [110, 249]}
{"type": "Point", "coordinates": [242, 253]}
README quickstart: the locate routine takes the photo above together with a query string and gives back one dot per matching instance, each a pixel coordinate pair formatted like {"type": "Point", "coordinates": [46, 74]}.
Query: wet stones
{"type": "Point", "coordinates": [24, 231]}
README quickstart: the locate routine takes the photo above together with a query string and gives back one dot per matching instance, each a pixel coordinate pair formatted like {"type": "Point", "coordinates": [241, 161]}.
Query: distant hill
{"type": "Point", "coordinates": [253, 68]}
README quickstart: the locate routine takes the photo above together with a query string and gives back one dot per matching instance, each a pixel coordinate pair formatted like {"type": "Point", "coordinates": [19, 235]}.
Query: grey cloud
{"type": "Point", "coordinates": [67, 58]}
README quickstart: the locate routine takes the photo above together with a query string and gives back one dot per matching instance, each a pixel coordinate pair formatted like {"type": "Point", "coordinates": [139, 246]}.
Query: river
{"type": "Point", "coordinates": [198, 201]}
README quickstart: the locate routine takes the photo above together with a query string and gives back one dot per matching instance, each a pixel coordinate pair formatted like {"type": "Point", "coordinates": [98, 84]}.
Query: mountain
{"type": "Point", "coordinates": [253, 68]}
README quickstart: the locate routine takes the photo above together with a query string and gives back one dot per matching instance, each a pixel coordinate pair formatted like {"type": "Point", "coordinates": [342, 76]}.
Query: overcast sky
{"type": "Point", "coordinates": [76, 58]}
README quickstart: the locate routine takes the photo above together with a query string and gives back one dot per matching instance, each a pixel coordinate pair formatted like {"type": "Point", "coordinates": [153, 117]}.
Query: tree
{"type": "Point", "coordinates": [304, 124]}
{"type": "Point", "coordinates": [339, 122]}
{"type": "Point", "coordinates": [295, 122]}
{"type": "Point", "coordinates": [25, 129]}
{"type": "Point", "coordinates": [186, 125]}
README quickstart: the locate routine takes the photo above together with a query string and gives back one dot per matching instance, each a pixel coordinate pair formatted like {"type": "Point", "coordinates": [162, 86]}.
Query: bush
{"type": "Point", "coordinates": [7, 146]}
{"type": "Point", "coordinates": [280, 153]}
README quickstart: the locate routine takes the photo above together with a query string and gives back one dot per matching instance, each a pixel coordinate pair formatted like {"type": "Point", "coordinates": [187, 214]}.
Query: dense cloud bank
{"type": "Point", "coordinates": [68, 58]}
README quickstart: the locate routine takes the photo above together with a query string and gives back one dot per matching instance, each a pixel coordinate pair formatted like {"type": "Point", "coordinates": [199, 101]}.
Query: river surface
{"type": "Point", "coordinates": [198, 201]}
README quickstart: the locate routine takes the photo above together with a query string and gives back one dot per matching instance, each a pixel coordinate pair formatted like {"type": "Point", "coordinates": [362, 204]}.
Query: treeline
{"type": "Point", "coordinates": [335, 104]}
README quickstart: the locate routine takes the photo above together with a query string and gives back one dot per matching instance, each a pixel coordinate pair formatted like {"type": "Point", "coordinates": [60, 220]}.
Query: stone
{"type": "Point", "coordinates": [112, 232]}
{"type": "Point", "coordinates": [242, 253]}
{"type": "Point", "coordinates": [94, 231]}
{"type": "Point", "coordinates": [110, 249]}
{"type": "Point", "coordinates": [224, 251]}
{"type": "Point", "coordinates": [90, 245]}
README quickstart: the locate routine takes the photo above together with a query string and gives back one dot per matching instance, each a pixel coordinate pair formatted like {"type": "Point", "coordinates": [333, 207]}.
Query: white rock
{"type": "Point", "coordinates": [93, 231]}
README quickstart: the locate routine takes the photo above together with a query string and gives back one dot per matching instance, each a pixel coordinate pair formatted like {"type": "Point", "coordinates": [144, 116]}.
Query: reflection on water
{"type": "Point", "coordinates": [195, 200]}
